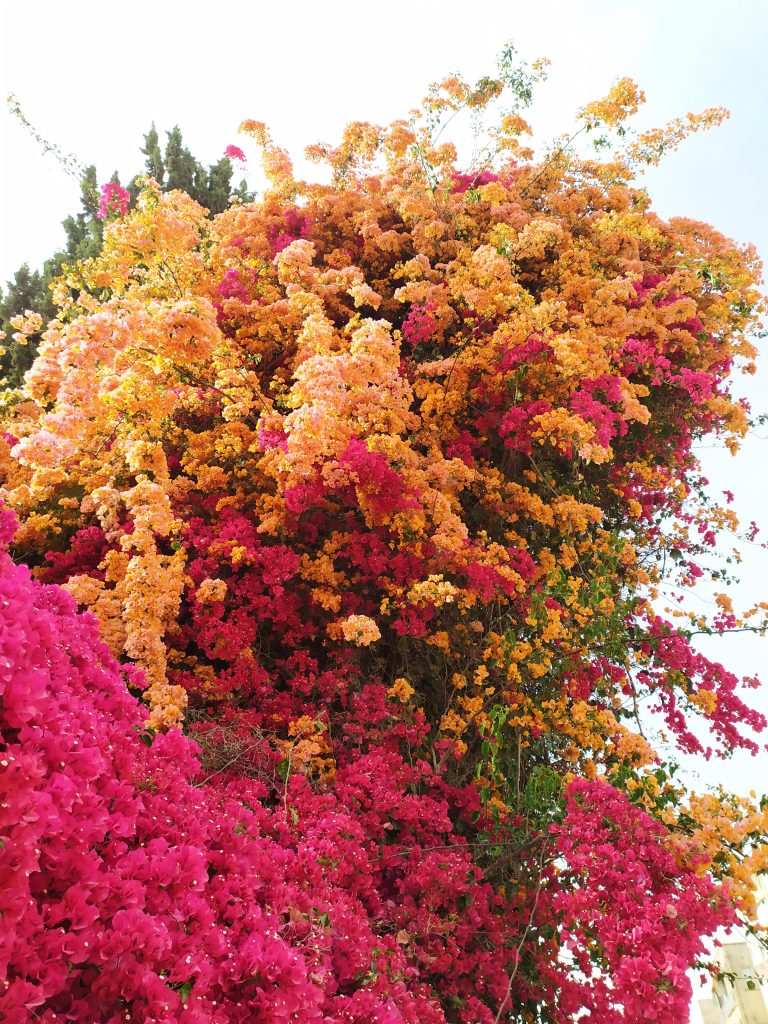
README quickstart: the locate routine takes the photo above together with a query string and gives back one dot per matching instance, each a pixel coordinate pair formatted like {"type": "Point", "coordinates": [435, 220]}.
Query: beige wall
{"type": "Point", "coordinates": [740, 999]}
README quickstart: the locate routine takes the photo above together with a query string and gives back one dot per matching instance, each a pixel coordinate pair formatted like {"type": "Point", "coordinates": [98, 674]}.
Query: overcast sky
{"type": "Point", "coordinates": [92, 76]}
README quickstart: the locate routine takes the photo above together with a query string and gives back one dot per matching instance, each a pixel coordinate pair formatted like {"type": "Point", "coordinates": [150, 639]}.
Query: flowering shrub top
{"type": "Point", "coordinates": [374, 486]}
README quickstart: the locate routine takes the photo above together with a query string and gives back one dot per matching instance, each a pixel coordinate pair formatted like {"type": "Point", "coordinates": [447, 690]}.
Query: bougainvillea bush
{"type": "Point", "coordinates": [348, 519]}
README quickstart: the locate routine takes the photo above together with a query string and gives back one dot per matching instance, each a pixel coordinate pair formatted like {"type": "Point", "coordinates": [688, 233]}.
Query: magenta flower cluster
{"type": "Point", "coordinates": [114, 201]}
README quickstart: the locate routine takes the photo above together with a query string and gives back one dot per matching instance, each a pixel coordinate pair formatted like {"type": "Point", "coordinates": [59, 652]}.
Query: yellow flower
{"type": "Point", "coordinates": [211, 591]}
{"type": "Point", "coordinates": [401, 689]}
{"type": "Point", "coordinates": [359, 630]}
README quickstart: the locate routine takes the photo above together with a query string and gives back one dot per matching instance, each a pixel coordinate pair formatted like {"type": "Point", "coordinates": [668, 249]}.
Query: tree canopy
{"type": "Point", "coordinates": [176, 168]}
{"type": "Point", "coordinates": [374, 489]}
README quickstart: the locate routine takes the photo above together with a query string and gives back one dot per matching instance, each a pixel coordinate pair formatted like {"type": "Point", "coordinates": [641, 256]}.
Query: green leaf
{"type": "Point", "coordinates": [147, 736]}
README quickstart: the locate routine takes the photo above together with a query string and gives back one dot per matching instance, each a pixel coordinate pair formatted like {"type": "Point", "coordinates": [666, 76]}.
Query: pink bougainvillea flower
{"type": "Point", "coordinates": [114, 201]}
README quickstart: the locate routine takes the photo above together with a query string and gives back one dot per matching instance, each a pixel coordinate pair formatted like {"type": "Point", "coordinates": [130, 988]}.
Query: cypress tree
{"type": "Point", "coordinates": [176, 168]}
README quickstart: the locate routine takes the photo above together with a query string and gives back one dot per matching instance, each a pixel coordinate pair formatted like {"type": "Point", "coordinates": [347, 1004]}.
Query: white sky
{"type": "Point", "coordinates": [92, 76]}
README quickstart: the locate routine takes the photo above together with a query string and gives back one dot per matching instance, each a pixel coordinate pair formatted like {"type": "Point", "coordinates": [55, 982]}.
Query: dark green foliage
{"type": "Point", "coordinates": [28, 290]}
{"type": "Point", "coordinates": [154, 157]}
{"type": "Point", "coordinates": [174, 168]}
{"type": "Point", "coordinates": [181, 167]}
